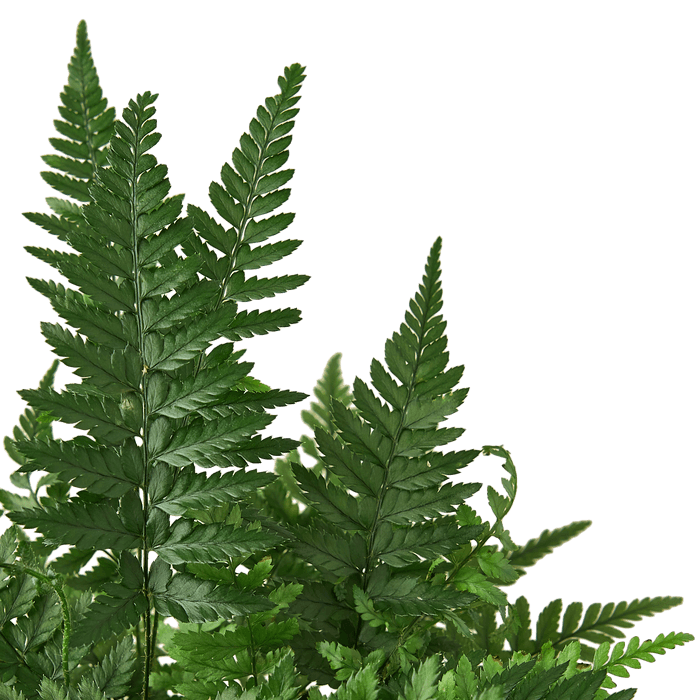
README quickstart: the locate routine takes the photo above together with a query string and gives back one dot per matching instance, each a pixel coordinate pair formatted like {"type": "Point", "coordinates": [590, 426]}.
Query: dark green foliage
{"type": "Point", "coordinates": [366, 571]}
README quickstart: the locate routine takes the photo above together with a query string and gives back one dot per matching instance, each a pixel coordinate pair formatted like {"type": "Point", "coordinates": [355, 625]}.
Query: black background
{"type": "Point", "coordinates": [495, 152]}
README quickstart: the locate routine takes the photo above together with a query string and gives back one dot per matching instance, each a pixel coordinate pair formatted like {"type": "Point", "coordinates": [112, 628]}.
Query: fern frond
{"type": "Point", "coordinates": [382, 483]}
{"type": "Point", "coordinates": [87, 125]}
{"type": "Point", "coordinates": [330, 387]}
{"type": "Point", "coordinates": [118, 608]}
{"type": "Point", "coordinates": [600, 624]}
{"type": "Point", "coordinates": [241, 289]}
{"type": "Point", "coordinates": [280, 498]}
{"type": "Point", "coordinates": [252, 188]}
{"type": "Point", "coordinates": [404, 595]}
{"type": "Point", "coordinates": [112, 676]}
{"type": "Point", "coordinates": [174, 350]}
{"type": "Point", "coordinates": [147, 301]}
{"type": "Point", "coordinates": [210, 543]}
{"type": "Point", "coordinates": [105, 471]}
{"type": "Point", "coordinates": [208, 387]}
{"type": "Point", "coordinates": [211, 654]}
{"type": "Point", "coordinates": [81, 313]}
{"type": "Point", "coordinates": [29, 428]}
{"type": "Point", "coordinates": [189, 599]}
{"type": "Point", "coordinates": [620, 657]}
{"type": "Point", "coordinates": [250, 323]}
{"type": "Point", "coordinates": [102, 416]}
{"type": "Point", "coordinates": [114, 372]}
{"type": "Point", "coordinates": [194, 490]}
{"type": "Point", "coordinates": [203, 442]}
{"type": "Point", "coordinates": [539, 547]}
{"type": "Point", "coordinates": [17, 598]}
{"type": "Point", "coordinates": [85, 525]}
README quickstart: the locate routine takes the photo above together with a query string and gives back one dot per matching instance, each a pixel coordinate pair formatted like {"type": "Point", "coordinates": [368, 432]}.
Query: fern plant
{"type": "Point", "coordinates": [161, 563]}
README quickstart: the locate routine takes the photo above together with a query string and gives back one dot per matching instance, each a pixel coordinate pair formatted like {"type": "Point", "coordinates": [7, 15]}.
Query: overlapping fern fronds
{"type": "Point", "coordinates": [380, 522]}
{"type": "Point", "coordinates": [155, 402]}
{"type": "Point", "coordinates": [330, 559]}
{"type": "Point", "coordinates": [366, 571]}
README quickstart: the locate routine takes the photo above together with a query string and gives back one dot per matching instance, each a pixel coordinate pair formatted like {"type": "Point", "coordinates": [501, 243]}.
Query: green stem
{"type": "Point", "coordinates": [65, 610]}
{"type": "Point", "coordinates": [252, 653]}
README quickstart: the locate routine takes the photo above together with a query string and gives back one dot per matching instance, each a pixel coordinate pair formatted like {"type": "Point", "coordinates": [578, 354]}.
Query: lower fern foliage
{"type": "Point", "coordinates": [162, 564]}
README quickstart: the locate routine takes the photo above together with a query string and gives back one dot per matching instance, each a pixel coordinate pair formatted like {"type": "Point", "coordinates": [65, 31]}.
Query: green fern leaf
{"type": "Point", "coordinates": [250, 190]}
{"type": "Point", "coordinates": [30, 427]}
{"type": "Point", "coordinates": [250, 323]}
{"type": "Point", "coordinates": [343, 660]}
{"type": "Point", "coordinates": [427, 413]}
{"type": "Point", "coordinates": [318, 602]}
{"type": "Point", "coordinates": [258, 650]}
{"type": "Point", "coordinates": [203, 442]}
{"type": "Point", "coordinates": [330, 386]}
{"type": "Point", "coordinates": [51, 690]}
{"type": "Point", "coordinates": [333, 503]}
{"type": "Point", "coordinates": [252, 451]}
{"type": "Point", "coordinates": [423, 681]}
{"type": "Point", "coordinates": [365, 607]}
{"type": "Point", "coordinates": [207, 387]}
{"type": "Point", "coordinates": [210, 543]}
{"type": "Point", "coordinates": [496, 566]}
{"type": "Point", "coordinates": [400, 547]}
{"type": "Point", "coordinates": [169, 352]}
{"type": "Point", "coordinates": [202, 647]}
{"type": "Point", "coordinates": [117, 609]}
{"type": "Point", "coordinates": [112, 676]}
{"type": "Point", "coordinates": [539, 547]}
{"type": "Point", "coordinates": [255, 258]}
{"type": "Point", "coordinates": [372, 445]}
{"type": "Point", "coordinates": [144, 316]}
{"type": "Point", "coordinates": [101, 327]}
{"type": "Point", "coordinates": [360, 476]}
{"type": "Point", "coordinates": [385, 484]}
{"type": "Point", "coordinates": [85, 525]}
{"type": "Point", "coordinates": [423, 472]}
{"type": "Point", "coordinates": [17, 598]}
{"type": "Point", "coordinates": [201, 690]}
{"type": "Point", "coordinates": [238, 401]}
{"type": "Point", "coordinates": [536, 686]}
{"type": "Point", "coordinates": [7, 693]}
{"type": "Point", "coordinates": [115, 372]}
{"type": "Point", "coordinates": [176, 494]}
{"type": "Point", "coordinates": [106, 471]}
{"type": "Point", "coordinates": [103, 417]}
{"type": "Point", "coordinates": [241, 289]}
{"type": "Point", "coordinates": [39, 625]}
{"type": "Point", "coordinates": [599, 624]}
{"type": "Point", "coordinates": [406, 595]}
{"type": "Point", "coordinates": [470, 580]}
{"type": "Point", "coordinates": [162, 280]}
{"type": "Point", "coordinates": [405, 507]}
{"type": "Point", "coordinates": [87, 123]}
{"type": "Point", "coordinates": [189, 599]}
{"type": "Point", "coordinates": [341, 556]}
{"type": "Point", "coordinates": [621, 657]}
{"type": "Point", "coordinates": [363, 685]}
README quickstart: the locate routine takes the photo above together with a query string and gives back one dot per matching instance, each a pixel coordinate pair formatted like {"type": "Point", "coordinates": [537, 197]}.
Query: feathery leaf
{"type": "Point", "coordinates": [87, 125]}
